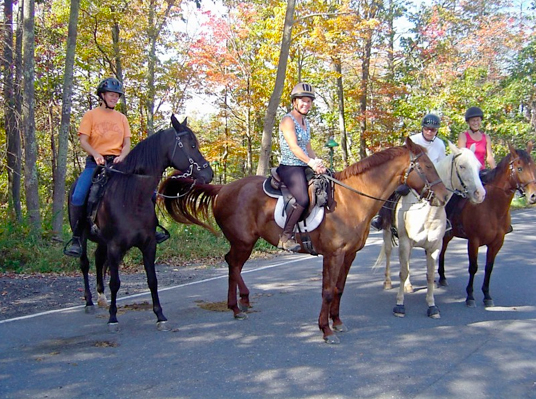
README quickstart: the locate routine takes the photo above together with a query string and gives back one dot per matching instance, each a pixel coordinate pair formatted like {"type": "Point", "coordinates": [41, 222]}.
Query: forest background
{"type": "Point", "coordinates": [377, 67]}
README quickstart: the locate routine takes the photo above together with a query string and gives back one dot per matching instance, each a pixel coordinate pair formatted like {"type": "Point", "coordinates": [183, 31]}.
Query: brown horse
{"type": "Point", "coordinates": [245, 213]}
{"type": "Point", "coordinates": [487, 223]}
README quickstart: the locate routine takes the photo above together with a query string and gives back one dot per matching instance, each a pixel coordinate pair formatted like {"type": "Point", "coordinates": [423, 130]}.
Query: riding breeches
{"type": "Point", "coordinates": [296, 182]}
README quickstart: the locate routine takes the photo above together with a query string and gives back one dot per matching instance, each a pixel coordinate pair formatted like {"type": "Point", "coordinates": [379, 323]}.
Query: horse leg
{"type": "Point", "coordinates": [441, 267]}
{"type": "Point", "coordinates": [332, 266]}
{"type": "Point", "coordinates": [149, 255]}
{"type": "Point", "coordinates": [334, 311]}
{"type": "Point", "coordinates": [115, 283]}
{"type": "Point", "coordinates": [387, 249]}
{"type": "Point", "coordinates": [100, 261]}
{"type": "Point", "coordinates": [492, 252]}
{"type": "Point", "coordinates": [472, 250]}
{"type": "Point", "coordinates": [84, 267]}
{"type": "Point", "coordinates": [235, 259]}
{"type": "Point", "coordinates": [404, 252]}
{"type": "Point", "coordinates": [431, 261]}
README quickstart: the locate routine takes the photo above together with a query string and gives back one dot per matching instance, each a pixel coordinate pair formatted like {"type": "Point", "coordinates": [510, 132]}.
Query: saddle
{"type": "Point", "coordinates": [99, 180]}
{"type": "Point", "coordinates": [320, 191]}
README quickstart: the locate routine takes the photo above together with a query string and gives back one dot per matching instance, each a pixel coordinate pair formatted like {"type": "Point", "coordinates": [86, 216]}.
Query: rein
{"type": "Point", "coordinates": [413, 166]}
{"type": "Point", "coordinates": [463, 193]}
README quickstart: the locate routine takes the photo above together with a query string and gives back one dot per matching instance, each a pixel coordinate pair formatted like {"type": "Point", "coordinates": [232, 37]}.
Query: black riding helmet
{"type": "Point", "coordinates": [473, 112]}
{"type": "Point", "coordinates": [110, 84]}
{"type": "Point", "coordinates": [431, 120]}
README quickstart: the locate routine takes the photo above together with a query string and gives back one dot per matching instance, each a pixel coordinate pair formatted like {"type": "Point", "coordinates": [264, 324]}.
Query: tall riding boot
{"type": "Point", "coordinates": [287, 240]}
{"type": "Point", "coordinates": [74, 246]}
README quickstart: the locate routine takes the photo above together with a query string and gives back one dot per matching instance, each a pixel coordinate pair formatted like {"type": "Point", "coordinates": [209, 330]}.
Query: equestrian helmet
{"type": "Point", "coordinates": [302, 90]}
{"type": "Point", "coordinates": [110, 84]}
{"type": "Point", "coordinates": [473, 112]}
{"type": "Point", "coordinates": [431, 120]}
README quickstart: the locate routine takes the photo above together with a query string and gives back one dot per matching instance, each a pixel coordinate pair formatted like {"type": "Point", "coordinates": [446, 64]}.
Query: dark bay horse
{"type": "Point", "coordinates": [245, 214]}
{"type": "Point", "coordinates": [126, 215]}
{"type": "Point", "coordinates": [487, 223]}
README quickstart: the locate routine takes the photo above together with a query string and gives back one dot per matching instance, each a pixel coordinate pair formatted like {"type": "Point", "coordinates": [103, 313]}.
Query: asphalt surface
{"type": "Point", "coordinates": [278, 352]}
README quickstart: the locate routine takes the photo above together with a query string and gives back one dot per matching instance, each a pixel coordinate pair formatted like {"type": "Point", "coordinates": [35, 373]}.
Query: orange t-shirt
{"type": "Point", "coordinates": [106, 130]}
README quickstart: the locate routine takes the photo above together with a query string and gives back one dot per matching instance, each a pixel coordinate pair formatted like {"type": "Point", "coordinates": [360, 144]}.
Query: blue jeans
{"type": "Point", "coordinates": [84, 183]}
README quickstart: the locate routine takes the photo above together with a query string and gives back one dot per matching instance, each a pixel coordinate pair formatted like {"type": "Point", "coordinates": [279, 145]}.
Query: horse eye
{"type": "Point", "coordinates": [520, 169]}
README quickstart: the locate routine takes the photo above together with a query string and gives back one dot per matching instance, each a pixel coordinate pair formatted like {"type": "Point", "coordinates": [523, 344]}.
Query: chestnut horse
{"type": "Point", "coordinates": [245, 213]}
{"type": "Point", "coordinates": [487, 223]}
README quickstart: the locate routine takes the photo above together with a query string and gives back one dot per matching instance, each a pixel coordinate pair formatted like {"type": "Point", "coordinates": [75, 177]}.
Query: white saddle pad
{"type": "Point", "coordinates": [312, 221]}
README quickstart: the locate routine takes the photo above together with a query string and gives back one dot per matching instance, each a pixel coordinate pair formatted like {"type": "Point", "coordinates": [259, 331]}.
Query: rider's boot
{"type": "Point", "coordinates": [287, 240]}
{"type": "Point", "coordinates": [74, 246]}
{"type": "Point", "coordinates": [161, 236]}
{"type": "Point", "coordinates": [377, 222]}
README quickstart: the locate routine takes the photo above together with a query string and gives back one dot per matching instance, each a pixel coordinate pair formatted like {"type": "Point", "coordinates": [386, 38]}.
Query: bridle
{"type": "Point", "coordinates": [513, 174]}
{"type": "Point", "coordinates": [191, 161]}
{"type": "Point", "coordinates": [415, 166]}
{"type": "Point", "coordinates": [453, 168]}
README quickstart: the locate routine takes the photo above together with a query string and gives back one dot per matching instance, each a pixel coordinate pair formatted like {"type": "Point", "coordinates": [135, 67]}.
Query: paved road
{"type": "Point", "coordinates": [278, 351]}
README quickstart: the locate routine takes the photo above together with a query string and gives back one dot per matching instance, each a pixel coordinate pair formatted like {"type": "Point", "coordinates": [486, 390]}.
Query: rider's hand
{"type": "Point", "coordinates": [119, 158]}
{"type": "Point", "coordinates": [99, 159]}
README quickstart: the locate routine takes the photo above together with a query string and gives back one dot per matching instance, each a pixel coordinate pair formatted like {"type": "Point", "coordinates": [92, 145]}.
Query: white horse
{"type": "Point", "coordinates": [421, 225]}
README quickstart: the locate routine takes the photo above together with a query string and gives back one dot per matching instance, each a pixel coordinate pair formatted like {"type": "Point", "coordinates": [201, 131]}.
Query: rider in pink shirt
{"type": "Point", "coordinates": [483, 152]}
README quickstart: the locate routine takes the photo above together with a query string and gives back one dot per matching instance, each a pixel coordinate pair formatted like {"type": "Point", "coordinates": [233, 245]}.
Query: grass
{"type": "Point", "coordinates": [188, 245]}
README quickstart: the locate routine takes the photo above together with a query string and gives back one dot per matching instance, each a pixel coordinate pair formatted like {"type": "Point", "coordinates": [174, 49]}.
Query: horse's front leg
{"type": "Point", "coordinates": [492, 252]}
{"type": "Point", "coordinates": [113, 260]}
{"type": "Point", "coordinates": [404, 253]}
{"type": "Point", "coordinates": [338, 325]}
{"type": "Point", "coordinates": [84, 267]}
{"type": "Point", "coordinates": [332, 266]}
{"type": "Point", "coordinates": [149, 255]}
{"type": "Point", "coordinates": [441, 263]}
{"type": "Point", "coordinates": [100, 266]}
{"type": "Point", "coordinates": [431, 262]}
{"type": "Point", "coordinates": [472, 251]}
{"type": "Point", "coordinates": [235, 259]}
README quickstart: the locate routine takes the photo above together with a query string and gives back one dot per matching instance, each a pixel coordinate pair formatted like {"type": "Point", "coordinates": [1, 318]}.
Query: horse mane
{"type": "Point", "coordinates": [370, 162]}
{"type": "Point", "coordinates": [145, 157]}
{"type": "Point", "coordinates": [492, 174]}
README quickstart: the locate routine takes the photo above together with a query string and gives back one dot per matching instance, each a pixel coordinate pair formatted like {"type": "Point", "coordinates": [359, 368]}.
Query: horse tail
{"type": "Point", "coordinates": [381, 257]}
{"type": "Point", "coordinates": [189, 202]}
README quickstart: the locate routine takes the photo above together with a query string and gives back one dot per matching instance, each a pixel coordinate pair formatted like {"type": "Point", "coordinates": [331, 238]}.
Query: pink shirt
{"type": "Point", "coordinates": [480, 147]}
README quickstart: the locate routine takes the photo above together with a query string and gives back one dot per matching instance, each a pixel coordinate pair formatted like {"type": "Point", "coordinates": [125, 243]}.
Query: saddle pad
{"type": "Point", "coordinates": [312, 221]}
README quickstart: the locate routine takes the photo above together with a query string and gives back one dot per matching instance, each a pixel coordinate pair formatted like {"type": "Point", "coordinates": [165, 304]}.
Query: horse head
{"type": "Point", "coordinates": [460, 173]}
{"type": "Point", "coordinates": [422, 176]}
{"type": "Point", "coordinates": [523, 172]}
{"type": "Point", "coordinates": [186, 156]}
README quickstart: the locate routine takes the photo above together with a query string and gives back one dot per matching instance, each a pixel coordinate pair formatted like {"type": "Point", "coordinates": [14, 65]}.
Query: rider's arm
{"type": "Point", "coordinates": [84, 143]}
{"type": "Point", "coordinates": [462, 140]}
{"type": "Point", "coordinates": [489, 153]}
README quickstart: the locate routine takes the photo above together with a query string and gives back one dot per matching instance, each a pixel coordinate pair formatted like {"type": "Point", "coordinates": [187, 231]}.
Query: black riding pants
{"type": "Point", "coordinates": [294, 179]}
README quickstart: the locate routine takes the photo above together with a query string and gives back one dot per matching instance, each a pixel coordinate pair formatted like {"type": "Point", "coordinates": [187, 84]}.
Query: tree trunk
{"type": "Point", "coordinates": [63, 141]}
{"type": "Point", "coordinates": [337, 67]}
{"type": "Point", "coordinates": [14, 152]}
{"type": "Point", "coordinates": [28, 120]}
{"type": "Point", "coordinates": [275, 98]}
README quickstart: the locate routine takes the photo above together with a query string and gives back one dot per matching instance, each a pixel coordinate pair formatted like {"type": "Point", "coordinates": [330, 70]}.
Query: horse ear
{"type": "Point", "coordinates": [455, 150]}
{"type": "Point", "coordinates": [175, 123]}
{"type": "Point", "coordinates": [185, 122]}
{"type": "Point", "coordinates": [473, 147]}
{"type": "Point", "coordinates": [512, 150]}
{"type": "Point", "coordinates": [410, 144]}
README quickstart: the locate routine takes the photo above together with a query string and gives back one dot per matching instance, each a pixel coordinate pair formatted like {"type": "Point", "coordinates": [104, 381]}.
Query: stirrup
{"type": "Point", "coordinates": [288, 245]}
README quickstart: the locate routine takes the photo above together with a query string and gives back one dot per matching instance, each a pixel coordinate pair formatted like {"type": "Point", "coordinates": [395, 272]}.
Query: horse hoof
{"type": "Point", "coordinates": [408, 289]}
{"type": "Point", "coordinates": [443, 283]}
{"type": "Point", "coordinates": [399, 311]}
{"type": "Point", "coordinates": [113, 327]}
{"type": "Point", "coordinates": [243, 308]}
{"type": "Point", "coordinates": [102, 301]}
{"type": "Point", "coordinates": [340, 328]}
{"type": "Point", "coordinates": [90, 309]}
{"type": "Point", "coordinates": [470, 303]}
{"type": "Point", "coordinates": [433, 312]}
{"type": "Point", "coordinates": [387, 286]}
{"type": "Point", "coordinates": [332, 339]}
{"type": "Point", "coordinates": [488, 303]}
{"type": "Point", "coordinates": [162, 326]}
{"type": "Point", "coordinates": [241, 316]}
